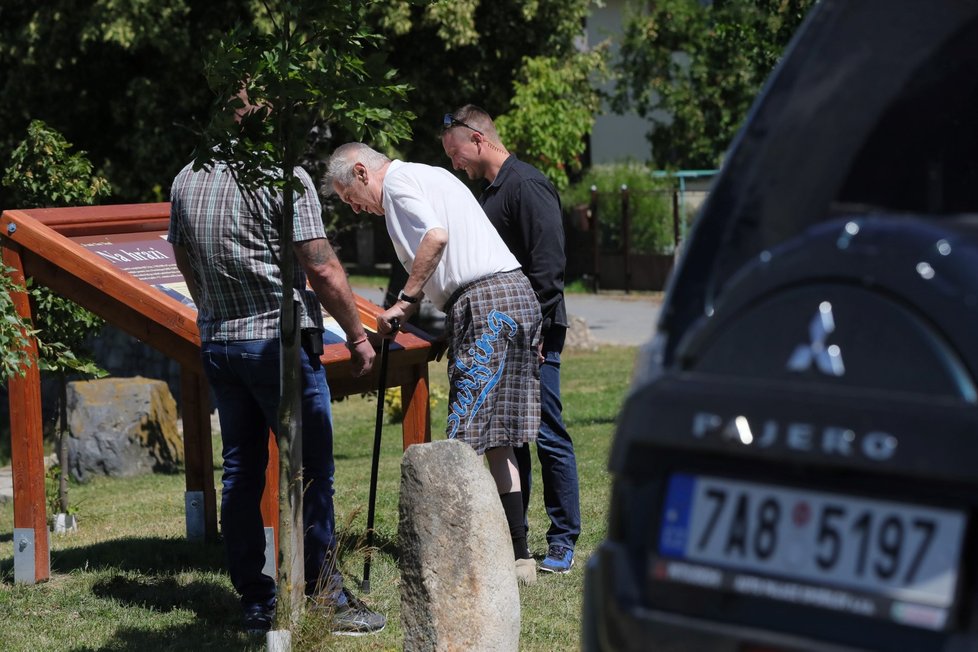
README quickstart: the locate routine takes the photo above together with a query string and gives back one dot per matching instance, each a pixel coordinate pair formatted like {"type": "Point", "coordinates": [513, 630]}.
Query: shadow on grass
{"type": "Point", "coordinates": [145, 574]}
{"type": "Point", "coordinates": [195, 637]}
{"type": "Point", "coordinates": [150, 555]}
{"type": "Point", "coordinates": [213, 605]}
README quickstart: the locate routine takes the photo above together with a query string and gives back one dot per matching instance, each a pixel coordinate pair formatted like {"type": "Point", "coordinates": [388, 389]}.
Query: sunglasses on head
{"type": "Point", "coordinates": [449, 121]}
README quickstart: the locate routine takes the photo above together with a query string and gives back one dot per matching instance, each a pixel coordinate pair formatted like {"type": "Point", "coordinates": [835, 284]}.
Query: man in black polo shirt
{"type": "Point", "coordinates": [525, 209]}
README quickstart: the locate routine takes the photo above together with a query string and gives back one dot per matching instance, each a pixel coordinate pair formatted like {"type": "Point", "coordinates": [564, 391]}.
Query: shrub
{"type": "Point", "coordinates": [649, 201]}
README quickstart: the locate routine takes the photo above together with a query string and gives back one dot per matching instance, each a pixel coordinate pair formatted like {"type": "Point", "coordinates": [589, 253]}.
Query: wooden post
{"type": "Point", "coordinates": [626, 236]}
{"type": "Point", "coordinates": [416, 427]}
{"type": "Point", "coordinates": [32, 553]}
{"type": "Point", "coordinates": [595, 240]}
{"type": "Point", "coordinates": [675, 220]}
{"type": "Point", "coordinates": [269, 507]}
{"type": "Point", "coordinates": [199, 456]}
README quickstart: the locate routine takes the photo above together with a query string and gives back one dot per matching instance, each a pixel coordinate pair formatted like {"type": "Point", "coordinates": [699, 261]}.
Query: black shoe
{"type": "Point", "coordinates": [352, 619]}
{"type": "Point", "coordinates": [258, 618]}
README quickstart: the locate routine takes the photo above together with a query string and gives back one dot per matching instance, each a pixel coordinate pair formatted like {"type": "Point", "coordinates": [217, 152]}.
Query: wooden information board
{"type": "Point", "coordinates": [115, 262]}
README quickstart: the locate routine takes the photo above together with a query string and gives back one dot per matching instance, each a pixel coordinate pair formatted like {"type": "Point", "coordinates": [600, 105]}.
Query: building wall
{"type": "Point", "coordinates": [615, 137]}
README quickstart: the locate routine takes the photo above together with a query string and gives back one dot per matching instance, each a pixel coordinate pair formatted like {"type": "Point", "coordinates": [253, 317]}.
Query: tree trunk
{"type": "Point", "coordinates": [291, 573]}
{"type": "Point", "coordinates": [63, 443]}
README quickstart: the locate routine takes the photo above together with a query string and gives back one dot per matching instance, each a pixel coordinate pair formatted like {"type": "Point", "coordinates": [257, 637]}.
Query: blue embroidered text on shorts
{"type": "Point", "coordinates": [479, 379]}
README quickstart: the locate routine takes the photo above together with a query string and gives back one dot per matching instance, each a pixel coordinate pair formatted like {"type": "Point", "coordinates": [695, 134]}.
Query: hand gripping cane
{"type": "Point", "coordinates": [381, 389]}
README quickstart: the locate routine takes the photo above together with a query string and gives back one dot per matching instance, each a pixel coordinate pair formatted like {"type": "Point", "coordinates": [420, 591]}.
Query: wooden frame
{"type": "Point", "coordinates": [36, 244]}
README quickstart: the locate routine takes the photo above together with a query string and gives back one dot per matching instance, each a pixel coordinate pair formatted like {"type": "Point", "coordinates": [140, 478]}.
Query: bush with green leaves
{"type": "Point", "coordinates": [13, 331]}
{"type": "Point", "coordinates": [44, 173]}
{"type": "Point", "coordinates": [554, 104]}
{"type": "Point", "coordinates": [649, 206]}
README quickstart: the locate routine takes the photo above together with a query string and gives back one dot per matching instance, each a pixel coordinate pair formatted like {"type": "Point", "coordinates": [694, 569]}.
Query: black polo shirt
{"type": "Point", "coordinates": [525, 209]}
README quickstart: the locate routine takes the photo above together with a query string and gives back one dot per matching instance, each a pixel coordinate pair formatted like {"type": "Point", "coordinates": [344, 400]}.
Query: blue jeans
{"type": "Point", "coordinates": [244, 376]}
{"type": "Point", "coordinates": [558, 465]}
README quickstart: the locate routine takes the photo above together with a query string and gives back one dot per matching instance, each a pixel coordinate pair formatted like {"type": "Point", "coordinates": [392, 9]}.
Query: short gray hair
{"type": "Point", "coordinates": [339, 168]}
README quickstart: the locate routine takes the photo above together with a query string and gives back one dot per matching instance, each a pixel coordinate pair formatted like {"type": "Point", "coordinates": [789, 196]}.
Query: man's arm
{"type": "Point", "coordinates": [429, 254]}
{"type": "Point", "coordinates": [328, 280]}
{"type": "Point", "coordinates": [183, 264]}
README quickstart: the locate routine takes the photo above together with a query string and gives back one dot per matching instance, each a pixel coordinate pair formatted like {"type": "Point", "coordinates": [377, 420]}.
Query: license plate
{"type": "Point", "coordinates": [898, 551]}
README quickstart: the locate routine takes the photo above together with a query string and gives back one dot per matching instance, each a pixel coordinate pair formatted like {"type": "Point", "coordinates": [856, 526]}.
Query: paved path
{"type": "Point", "coordinates": [617, 319]}
{"type": "Point", "coordinates": [612, 318]}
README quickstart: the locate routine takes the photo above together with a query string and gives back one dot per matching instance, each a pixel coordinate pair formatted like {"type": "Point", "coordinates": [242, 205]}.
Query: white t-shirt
{"type": "Point", "coordinates": [420, 197]}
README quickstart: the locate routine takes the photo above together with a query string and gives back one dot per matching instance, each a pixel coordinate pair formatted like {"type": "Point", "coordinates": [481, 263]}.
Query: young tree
{"type": "Point", "coordinates": [43, 173]}
{"type": "Point", "coordinates": [304, 63]}
{"type": "Point", "coordinates": [693, 69]}
{"type": "Point", "coordinates": [553, 108]}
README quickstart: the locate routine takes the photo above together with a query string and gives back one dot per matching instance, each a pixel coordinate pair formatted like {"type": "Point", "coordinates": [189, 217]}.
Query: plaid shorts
{"type": "Point", "coordinates": [493, 370]}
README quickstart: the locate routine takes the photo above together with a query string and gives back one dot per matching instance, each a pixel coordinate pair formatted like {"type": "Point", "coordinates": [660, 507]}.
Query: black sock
{"type": "Point", "coordinates": [513, 506]}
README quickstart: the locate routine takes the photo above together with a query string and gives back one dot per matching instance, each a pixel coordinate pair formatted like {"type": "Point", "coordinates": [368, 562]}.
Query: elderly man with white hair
{"type": "Point", "coordinates": [455, 257]}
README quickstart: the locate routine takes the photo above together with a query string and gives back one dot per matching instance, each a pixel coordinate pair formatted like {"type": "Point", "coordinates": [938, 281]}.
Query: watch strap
{"type": "Point", "coordinates": [406, 297]}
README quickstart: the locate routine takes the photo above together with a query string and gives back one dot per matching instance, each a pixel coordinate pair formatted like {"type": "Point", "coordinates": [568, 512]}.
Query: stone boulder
{"type": "Point", "coordinates": [458, 576]}
{"type": "Point", "coordinates": [122, 427]}
{"type": "Point", "coordinates": [579, 336]}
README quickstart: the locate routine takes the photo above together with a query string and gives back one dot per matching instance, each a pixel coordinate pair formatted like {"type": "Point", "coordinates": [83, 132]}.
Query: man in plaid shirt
{"type": "Point", "coordinates": [227, 246]}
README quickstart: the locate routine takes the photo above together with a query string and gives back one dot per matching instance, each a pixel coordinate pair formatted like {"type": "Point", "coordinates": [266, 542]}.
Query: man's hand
{"type": "Point", "coordinates": [362, 357]}
{"type": "Point", "coordinates": [398, 312]}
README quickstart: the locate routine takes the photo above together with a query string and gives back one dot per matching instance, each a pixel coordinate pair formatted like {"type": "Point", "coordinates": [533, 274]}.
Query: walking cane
{"type": "Point", "coordinates": [381, 389]}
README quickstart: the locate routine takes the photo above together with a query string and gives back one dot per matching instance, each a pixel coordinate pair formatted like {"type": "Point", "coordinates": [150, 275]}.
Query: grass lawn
{"type": "Point", "coordinates": [128, 580]}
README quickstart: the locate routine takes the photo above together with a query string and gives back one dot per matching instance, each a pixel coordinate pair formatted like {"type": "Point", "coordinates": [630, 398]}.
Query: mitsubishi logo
{"type": "Point", "coordinates": [828, 359]}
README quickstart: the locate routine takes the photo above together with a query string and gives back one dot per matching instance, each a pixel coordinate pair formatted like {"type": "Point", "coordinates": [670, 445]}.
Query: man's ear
{"type": "Point", "coordinates": [360, 172]}
{"type": "Point", "coordinates": [479, 140]}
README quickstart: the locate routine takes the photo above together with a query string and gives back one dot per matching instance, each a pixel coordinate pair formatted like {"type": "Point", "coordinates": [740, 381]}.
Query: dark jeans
{"type": "Point", "coordinates": [558, 465]}
{"type": "Point", "coordinates": [245, 378]}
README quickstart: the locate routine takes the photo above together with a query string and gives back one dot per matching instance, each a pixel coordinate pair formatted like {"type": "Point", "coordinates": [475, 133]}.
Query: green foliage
{"type": "Point", "coordinates": [304, 63]}
{"type": "Point", "coordinates": [122, 79]}
{"type": "Point", "coordinates": [52, 494]}
{"type": "Point", "coordinates": [14, 333]}
{"type": "Point", "coordinates": [394, 408]}
{"type": "Point", "coordinates": [470, 51]}
{"type": "Point", "coordinates": [649, 201]}
{"type": "Point", "coordinates": [117, 77]}
{"type": "Point", "coordinates": [553, 108]}
{"type": "Point", "coordinates": [693, 69]}
{"type": "Point", "coordinates": [63, 330]}
{"type": "Point", "coordinates": [42, 173]}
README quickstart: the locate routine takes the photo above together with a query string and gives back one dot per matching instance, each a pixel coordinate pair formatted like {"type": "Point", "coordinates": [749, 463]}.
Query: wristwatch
{"type": "Point", "coordinates": [407, 298]}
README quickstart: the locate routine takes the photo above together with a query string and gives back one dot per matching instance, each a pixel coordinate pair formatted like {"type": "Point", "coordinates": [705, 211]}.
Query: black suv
{"type": "Point", "coordinates": [796, 465]}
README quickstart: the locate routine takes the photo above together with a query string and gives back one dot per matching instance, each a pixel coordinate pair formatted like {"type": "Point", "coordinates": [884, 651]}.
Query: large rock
{"type": "Point", "coordinates": [579, 335]}
{"type": "Point", "coordinates": [122, 427]}
{"type": "Point", "coordinates": [458, 576]}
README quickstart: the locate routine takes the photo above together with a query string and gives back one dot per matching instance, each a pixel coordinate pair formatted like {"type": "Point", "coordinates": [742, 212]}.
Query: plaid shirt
{"type": "Point", "coordinates": [233, 245]}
